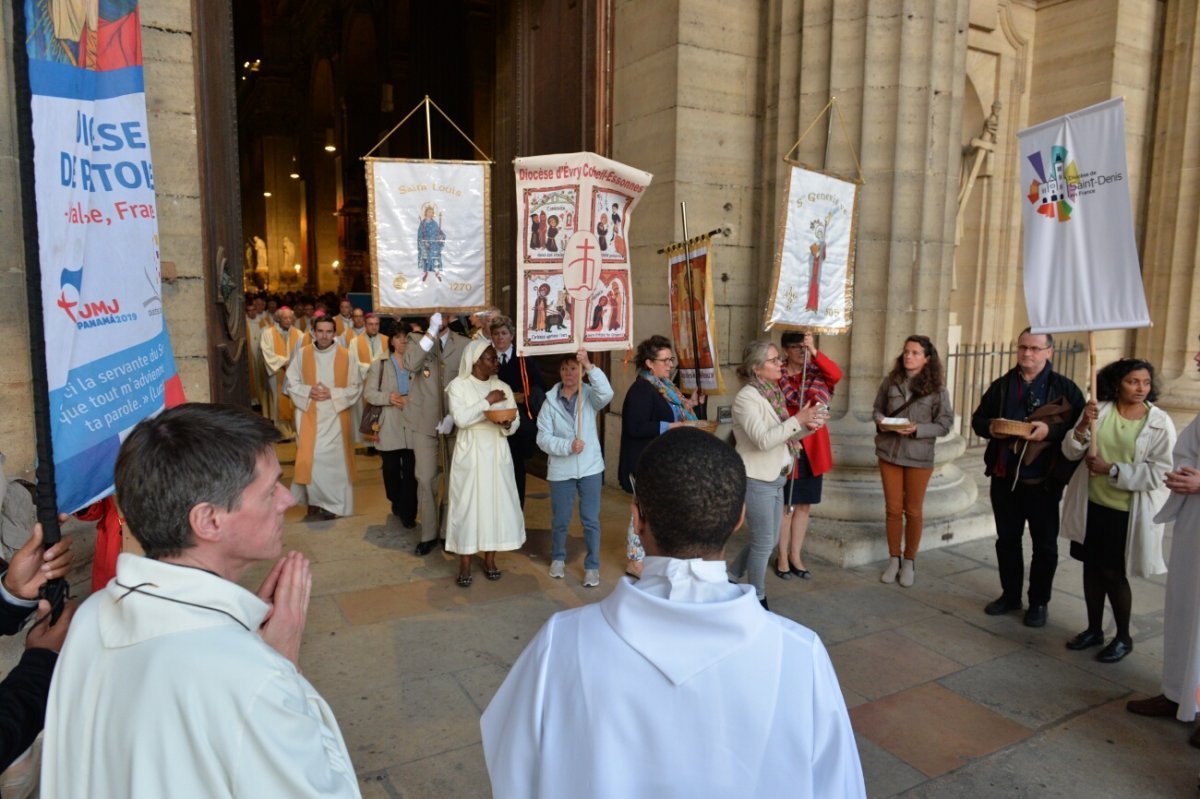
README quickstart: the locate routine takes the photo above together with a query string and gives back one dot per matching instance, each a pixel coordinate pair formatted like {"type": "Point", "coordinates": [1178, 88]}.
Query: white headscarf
{"type": "Point", "coordinates": [472, 353]}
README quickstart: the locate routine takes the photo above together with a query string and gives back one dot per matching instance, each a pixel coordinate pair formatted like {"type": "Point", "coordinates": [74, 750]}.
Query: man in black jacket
{"type": "Point", "coordinates": [23, 692]}
{"type": "Point", "coordinates": [1026, 482]}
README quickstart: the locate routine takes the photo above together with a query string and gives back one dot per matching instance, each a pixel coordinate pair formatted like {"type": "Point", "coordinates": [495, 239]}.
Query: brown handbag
{"type": "Point", "coordinates": [372, 414]}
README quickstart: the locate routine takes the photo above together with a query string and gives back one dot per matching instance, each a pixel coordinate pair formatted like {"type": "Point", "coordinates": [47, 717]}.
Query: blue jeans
{"type": "Point", "coordinates": [764, 512]}
{"type": "Point", "coordinates": [562, 505]}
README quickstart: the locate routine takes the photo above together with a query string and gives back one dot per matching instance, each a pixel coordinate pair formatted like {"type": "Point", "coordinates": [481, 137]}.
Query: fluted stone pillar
{"type": "Point", "coordinates": [897, 76]}
{"type": "Point", "coordinates": [1173, 217]}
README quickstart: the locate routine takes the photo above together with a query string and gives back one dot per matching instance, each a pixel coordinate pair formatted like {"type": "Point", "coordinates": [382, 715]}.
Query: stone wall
{"type": "Point", "coordinates": [170, 100]}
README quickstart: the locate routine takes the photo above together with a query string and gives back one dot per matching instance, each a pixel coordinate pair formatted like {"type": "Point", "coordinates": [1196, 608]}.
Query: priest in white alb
{"type": "Point", "coordinates": [366, 348]}
{"type": "Point", "coordinates": [278, 343]}
{"type": "Point", "coordinates": [678, 685]}
{"type": "Point", "coordinates": [1181, 609]}
{"type": "Point", "coordinates": [324, 384]}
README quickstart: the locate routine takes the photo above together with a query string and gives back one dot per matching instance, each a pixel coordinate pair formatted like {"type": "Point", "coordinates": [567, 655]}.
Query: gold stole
{"type": "Point", "coordinates": [306, 446]}
{"type": "Point", "coordinates": [339, 325]}
{"type": "Point", "coordinates": [284, 407]}
{"type": "Point", "coordinates": [364, 348]}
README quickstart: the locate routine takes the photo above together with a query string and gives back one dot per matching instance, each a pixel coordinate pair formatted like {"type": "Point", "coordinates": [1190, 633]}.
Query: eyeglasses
{"type": "Point", "coordinates": [672, 360]}
{"type": "Point", "coordinates": [1024, 348]}
{"type": "Point", "coordinates": [776, 359]}
{"type": "Point", "coordinates": [633, 486]}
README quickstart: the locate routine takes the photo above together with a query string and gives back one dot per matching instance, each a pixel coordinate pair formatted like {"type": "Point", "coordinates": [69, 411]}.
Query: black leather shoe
{"type": "Point", "coordinates": [1115, 650]}
{"type": "Point", "coordinates": [1035, 616]}
{"type": "Point", "coordinates": [1086, 640]}
{"type": "Point", "coordinates": [425, 547]}
{"type": "Point", "coordinates": [998, 607]}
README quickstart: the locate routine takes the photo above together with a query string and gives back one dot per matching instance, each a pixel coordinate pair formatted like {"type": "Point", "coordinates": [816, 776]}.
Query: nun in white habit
{"type": "Point", "coordinates": [484, 513]}
{"type": "Point", "coordinates": [708, 692]}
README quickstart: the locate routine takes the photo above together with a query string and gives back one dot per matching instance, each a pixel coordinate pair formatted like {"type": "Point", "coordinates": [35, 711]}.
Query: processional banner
{"type": "Point", "coordinates": [108, 357]}
{"type": "Point", "coordinates": [693, 316]}
{"type": "Point", "coordinates": [1081, 262]}
{"type": "Point", "coordinates": [575, 212]}
{"type": "Point", "coordinates": [431, 236]}
{"type": "Point", "coordinates": [814, 259]}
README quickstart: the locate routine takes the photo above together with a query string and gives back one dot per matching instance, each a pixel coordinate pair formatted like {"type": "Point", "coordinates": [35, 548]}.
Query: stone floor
{"type": "Point", "coordinates": [945, 700]}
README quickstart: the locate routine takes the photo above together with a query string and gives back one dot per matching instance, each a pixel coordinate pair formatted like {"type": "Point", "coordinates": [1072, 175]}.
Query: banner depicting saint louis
{"type": "Point", "coordinates": [430, 234]}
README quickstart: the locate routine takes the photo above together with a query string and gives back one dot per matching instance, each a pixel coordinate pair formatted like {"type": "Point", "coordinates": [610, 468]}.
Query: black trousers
{"type": "Point", "coordinates": [1036, 505]}
{"type": "Point", "coordinates": [400, 483]}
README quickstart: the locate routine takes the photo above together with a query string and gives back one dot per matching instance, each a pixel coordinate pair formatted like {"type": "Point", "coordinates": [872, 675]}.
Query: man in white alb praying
{"type": "Point", "coordinates": [324, 383]}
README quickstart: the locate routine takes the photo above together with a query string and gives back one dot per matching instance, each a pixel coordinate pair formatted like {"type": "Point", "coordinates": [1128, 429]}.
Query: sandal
{"type": "Point", "coordinates": [492, 574]}
{"type": "Point", "coordinates": [464, 581]}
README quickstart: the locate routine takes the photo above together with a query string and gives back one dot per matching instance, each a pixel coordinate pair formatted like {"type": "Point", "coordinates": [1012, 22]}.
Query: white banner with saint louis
{"type": "Point", "coordinates": [431, 236]}
{"type": "Point", "coordinates": [814, 260]}
{"type": "Point", "coordinates": [1081, 261]}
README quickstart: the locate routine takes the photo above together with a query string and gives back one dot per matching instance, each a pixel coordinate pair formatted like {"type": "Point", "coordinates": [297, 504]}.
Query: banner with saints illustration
{"type": "Point", "coordinates": [693, 316]}
{"type": "Point", "coordinates": [574, 214]}
{"type": "Point", "coordinates": [814, 259]}
{"type": "Point", "coordinates": [430, 227]}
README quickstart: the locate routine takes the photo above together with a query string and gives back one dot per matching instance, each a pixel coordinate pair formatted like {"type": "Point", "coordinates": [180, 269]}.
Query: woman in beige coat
{"type": "Point", "coordinates": [1109, 506]}
{"type": "Point", "coordinates": [766, 436]}
{"type": "Point", "coordinates": [386, 384]}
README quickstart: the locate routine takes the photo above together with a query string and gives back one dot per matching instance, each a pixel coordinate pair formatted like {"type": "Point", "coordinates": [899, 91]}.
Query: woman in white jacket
{"type": "Point", "coordinates": [767, 438]}
{"type": "Point", "coordinates": [1108, 510]}
{"type": "Point", "coordinates": [566, 432]}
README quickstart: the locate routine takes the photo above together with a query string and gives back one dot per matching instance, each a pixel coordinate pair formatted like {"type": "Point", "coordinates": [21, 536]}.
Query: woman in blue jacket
{"type": "Point", "coordinates": [566, 432]}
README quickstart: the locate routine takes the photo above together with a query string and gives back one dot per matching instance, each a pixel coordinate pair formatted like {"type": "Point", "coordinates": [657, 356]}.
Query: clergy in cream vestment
{"type": "Point", "coordinates": [324, 472]}
{"type": "Point", "coordinates": [278, 343]}
{"type": "Point", "coordinates": [1181, 609]}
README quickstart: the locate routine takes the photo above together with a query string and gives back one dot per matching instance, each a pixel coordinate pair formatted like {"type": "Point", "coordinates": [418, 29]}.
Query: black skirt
{"type": "Point", "coordinates": [1104, 538]}
{"type": "Point", "coordinates": [805, 488]}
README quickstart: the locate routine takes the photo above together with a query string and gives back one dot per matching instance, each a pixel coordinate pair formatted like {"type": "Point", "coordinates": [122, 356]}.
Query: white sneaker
{"type": "Point", "coordinates": [889, 574]}
{"type": "Point", "coordinates": [591, 578]}
{"type": "Point", "coordinates": [557, 569]}
{"type": "Point", "coordinates": [907, 569]}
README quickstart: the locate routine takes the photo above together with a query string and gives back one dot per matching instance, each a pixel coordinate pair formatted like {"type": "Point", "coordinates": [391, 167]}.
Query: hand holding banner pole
{"type": "Point", "coordinates": [687, 272]}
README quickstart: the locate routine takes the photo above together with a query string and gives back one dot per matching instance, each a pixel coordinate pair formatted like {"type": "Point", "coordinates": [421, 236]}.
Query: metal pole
{"type": "Point", "coordinates": [687, 272]}
{"type": "Point", "coordinates": [47, 501]}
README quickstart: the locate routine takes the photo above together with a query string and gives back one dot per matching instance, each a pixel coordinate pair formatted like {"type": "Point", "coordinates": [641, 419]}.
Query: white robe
{"type": "Point", "coordinates": [331, 487]}
{"type": "Point", "coordinates": [678, 686]}
{"type": "Point", "coordinates": [484, 511]}
{"type": "Point", "coordinates": [1181, 611]}
{"type": "Point", "coordinates": [275, 364]}
{"type": "Point", "coordinates": [154, 698]}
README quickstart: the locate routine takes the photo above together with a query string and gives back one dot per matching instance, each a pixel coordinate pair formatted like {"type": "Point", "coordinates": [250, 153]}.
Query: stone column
{"type": "Point", "coordinates": [1173, 218]}
{"type": "Point", "coordinates": [898, 81]}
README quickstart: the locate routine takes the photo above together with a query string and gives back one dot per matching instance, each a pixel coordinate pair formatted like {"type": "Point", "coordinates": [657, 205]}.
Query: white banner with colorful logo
{"type": "Point", "coordinates": [108, 358]}
{"type": "Point", "coordinates": [814, 259]}
{"type": "Point", "coordinates": [575, 211]}
{"type": "Point", "coordinates": [431, 242]}
{"type": "Point", "coordinates": [1081, 262]}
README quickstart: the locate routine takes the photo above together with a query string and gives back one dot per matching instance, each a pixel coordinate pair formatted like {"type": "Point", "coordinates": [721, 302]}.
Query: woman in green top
{"type": "Point", "coordinates": [1109, 506]}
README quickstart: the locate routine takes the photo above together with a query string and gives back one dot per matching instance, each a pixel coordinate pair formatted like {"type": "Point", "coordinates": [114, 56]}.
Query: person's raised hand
{"type": "Point", "coordinates": [494, 396]}
{"type": "Point", "coordinates": [289, 585]}
{"type": "Point", "coordinates": [32, 565]}
{"type": "Point", "coordinates": [582, 357]}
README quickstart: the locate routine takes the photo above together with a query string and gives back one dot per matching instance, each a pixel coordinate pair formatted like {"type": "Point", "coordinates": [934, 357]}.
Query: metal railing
{"type": "Point", "coordinates": [971, 368]}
